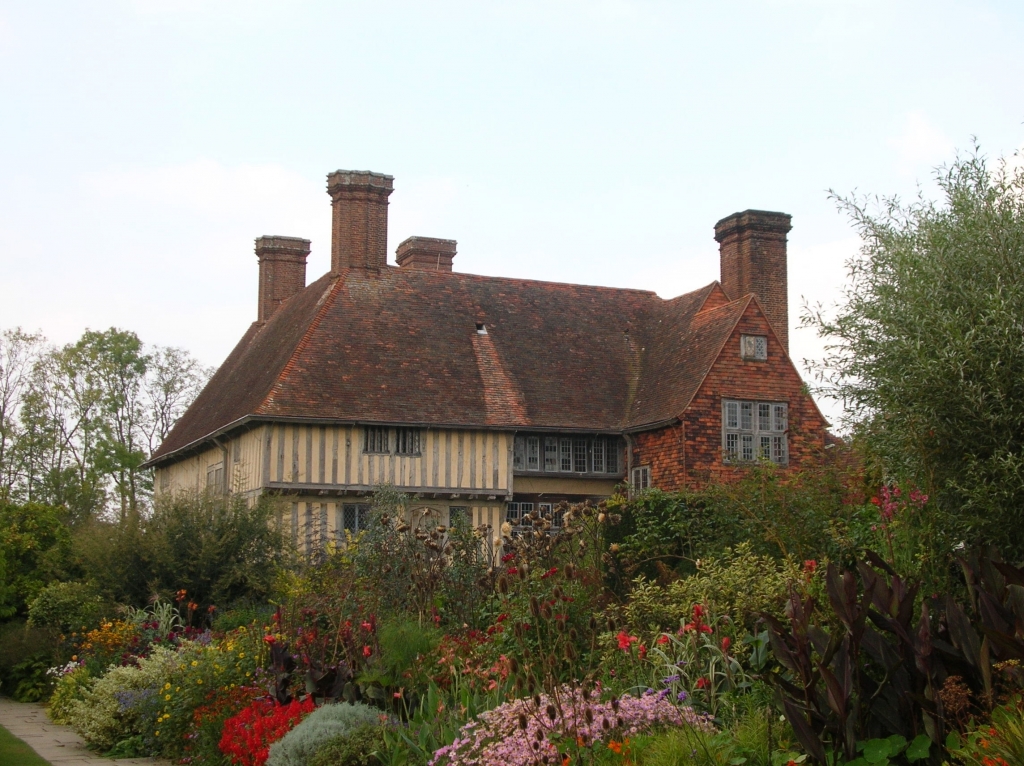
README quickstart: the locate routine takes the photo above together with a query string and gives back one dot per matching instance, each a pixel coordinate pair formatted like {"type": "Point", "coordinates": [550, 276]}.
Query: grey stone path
{"type": "Point", "coordinates": [57, 744]}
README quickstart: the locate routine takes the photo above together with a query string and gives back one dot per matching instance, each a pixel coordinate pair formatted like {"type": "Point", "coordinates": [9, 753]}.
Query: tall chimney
{"type": "Point", "coordinates": [359, 223]}
{"type": "Point", "coordinates": [282, 271]}
{"type": "Point", "coordinates": [752, 246]}
{"type": "Point", "coordinates": [426, 253]}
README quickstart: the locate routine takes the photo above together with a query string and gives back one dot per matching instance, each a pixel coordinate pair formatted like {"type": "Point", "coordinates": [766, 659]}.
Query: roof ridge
{"type": "Point", "coordinates": [518, 280]}
{"type": "Point", "coordinates": [326, 301]}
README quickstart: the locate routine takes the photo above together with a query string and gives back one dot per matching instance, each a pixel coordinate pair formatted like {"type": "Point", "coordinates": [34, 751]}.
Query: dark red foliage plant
{"type": "Point", "coordinates": [248, 736]}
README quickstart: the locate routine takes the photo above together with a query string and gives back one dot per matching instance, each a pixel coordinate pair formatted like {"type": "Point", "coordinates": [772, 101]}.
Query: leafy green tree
{"type": "Point", "coordinates": [219, 549]}
{"type": "Point", "coordinates": [77, 422]}
{"type": "Point", "coordinates": [926, 349]}
{"type": "Point", "coordinates": [34, 550]}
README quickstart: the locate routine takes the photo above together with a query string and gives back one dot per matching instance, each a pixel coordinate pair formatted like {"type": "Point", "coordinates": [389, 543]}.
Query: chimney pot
{"type": "Point", "coordinates": [752, 248]}
{"type": "Point", "coordinates": [282, 271]}
{"type": "Point", "coordinates": [426, 253]}
{"type": "Point", "coordinates": [359, 219]}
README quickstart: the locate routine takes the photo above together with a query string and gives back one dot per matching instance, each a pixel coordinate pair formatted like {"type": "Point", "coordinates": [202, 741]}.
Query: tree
{"type": "Point", "coordinates": [34, 548]}
{"type": "Point", "coordinates": [18, 354]}
{"type": "Point", "coordinates": [77, 422]}
{"type": "Point", "coordinates": [926, 349]}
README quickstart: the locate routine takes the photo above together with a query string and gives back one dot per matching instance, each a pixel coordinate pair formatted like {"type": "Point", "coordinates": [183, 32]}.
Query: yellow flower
{"type": "Point", "coordinates": [241, 655]}
{"type": "Point", "coordinates": [199, 680]}
{"type": "Point", "coordinates": [167, 696]}
{"type": "Point", "coordinates": [195, 663]}
{"type": "Point", "coordinates": [167, 685]}
{"type": "Point", "coordinates": [156, 733]}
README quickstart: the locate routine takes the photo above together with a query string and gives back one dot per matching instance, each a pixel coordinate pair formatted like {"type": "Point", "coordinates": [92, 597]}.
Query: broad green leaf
{"type": "Point", "coordinates": [920, 747]}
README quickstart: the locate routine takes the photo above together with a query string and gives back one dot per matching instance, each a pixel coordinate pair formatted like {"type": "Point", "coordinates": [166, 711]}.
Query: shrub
{"type": "Point", "coordinates": [299, 745]}
{"type": "Point", "coordinates": [741, 584]}
{"type": "Point", "coordinates": [112, 706]}
{"type": "Point", "coordinates": [70, 687]}
{"type": "Point", "coordinates": [248, 735]}
{"type": "Point", "coordinates": [66, 607]}
{"type": "Point", "coordinates": [25, 655]}
{"type": "Point", "coordinates": [358, 748]}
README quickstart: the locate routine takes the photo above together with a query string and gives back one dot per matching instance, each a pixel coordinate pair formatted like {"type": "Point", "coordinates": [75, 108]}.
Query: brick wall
{"type": "Point", "coordinates": [690, 454]}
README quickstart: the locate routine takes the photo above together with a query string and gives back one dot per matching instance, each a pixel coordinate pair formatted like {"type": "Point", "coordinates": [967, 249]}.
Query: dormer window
{"type": "Point", "coordinates": [754, 347]}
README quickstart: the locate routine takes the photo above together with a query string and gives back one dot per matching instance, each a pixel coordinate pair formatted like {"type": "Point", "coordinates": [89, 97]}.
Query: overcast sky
{"type": "Point", "coordinates": [144, 144]}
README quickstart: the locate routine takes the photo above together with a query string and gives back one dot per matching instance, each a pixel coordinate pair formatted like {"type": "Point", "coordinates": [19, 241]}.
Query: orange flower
{"type": "Point", "coordinates": [615, 747]}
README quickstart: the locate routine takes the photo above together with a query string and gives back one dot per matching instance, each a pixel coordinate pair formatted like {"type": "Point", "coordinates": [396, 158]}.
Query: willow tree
{"type": "Point", "coordinates": [926, 348]}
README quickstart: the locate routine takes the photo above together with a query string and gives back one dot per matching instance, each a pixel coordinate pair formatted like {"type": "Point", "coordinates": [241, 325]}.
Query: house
{"type": "Point", "coordinates": [485, 396]}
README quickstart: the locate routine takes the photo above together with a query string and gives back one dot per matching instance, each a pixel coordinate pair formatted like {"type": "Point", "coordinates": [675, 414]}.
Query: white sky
{"type": "Point", "coordinates": [144, 144]}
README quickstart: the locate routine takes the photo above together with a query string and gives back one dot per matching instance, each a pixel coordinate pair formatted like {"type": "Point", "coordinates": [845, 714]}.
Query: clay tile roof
{"type": "Point", "coordinates": [402, 346]}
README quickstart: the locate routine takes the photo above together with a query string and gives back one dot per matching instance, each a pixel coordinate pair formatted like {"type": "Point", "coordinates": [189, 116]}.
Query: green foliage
{"type": "Point", "coordinates": [925, 350]}
{"type": "Point", "coordinates": [109, 710]}
{"type": "Point", "coordinates": [34, 546]}
{"type": "Point", "coordinates": [218, 549]}
{"type": "Point", "coordinates": [988, 742]}
{"type": "Point", "coordinates": [324, 724]}
{"type": "Point", "coordinates": [741, 584]}
{"type": "Point", "coordinates": [25, 655]}
{"type": "Point", "coordinates": [799, 515]}
{"type": "Point", "coordinates": [69, 687]}
{"type": "Point", "coordinates": [66, 606]}
{"type": "Point", "coordinates": [77, 422]}
{"type": "Point", "coordinates": [408, 562]}
{"type": "Point", "coordinates": [755, 739]}
{"type": "Point", "coordinates": [401, 643]}
{"type": "Point", "coordinates": [359, 748]}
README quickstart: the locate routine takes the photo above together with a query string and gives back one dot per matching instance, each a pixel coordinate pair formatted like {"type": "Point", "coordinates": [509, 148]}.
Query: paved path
{"type": "Point", "coordinates": [57, 744]}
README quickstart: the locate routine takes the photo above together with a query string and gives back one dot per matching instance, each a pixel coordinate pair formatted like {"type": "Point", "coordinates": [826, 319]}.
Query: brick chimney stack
{"type": "Point", "coordinates": [282, 271]}
{"type": "Point", "coordinates": [426, 253]}
{"type": "Point", "coordinates": [752, 246]}
{"type": "Point", "coordinates": [359, 223]}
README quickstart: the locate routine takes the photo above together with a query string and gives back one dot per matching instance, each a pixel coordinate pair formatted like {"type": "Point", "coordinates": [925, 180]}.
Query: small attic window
{"type": "Point", "coordinates": [481, 328]}
{"type": "Point", "coordinates": [754, 347]}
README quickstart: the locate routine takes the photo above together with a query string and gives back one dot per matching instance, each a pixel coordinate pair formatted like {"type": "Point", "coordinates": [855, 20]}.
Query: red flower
{"type": "Point", "coordinates": [548, 574]}
{"type": "Point", "coordinates": [513, 571]}
{"type": "Point", "coordinates": [642, 652]}
{"type": "Point", "coordinates": [698, 623]}
{"type": "Point", "coordinates": [269, 639]}
{"type": "Point", "coordinates": [726, 643]}
{"type": "Point", "coordinates": [366, 626]}
{"type": "Point", "coordinates": [367, 651]}
{"type": "Point", "coordinates": [663, 639]}
{"type": "Point", "coordinates": [703, 683]}
{"type": "Point", "coordinates": [810, 566]}
{"type": "Point", "coordinates": [507, 558]}
{"type": "Point", "coordinates": [625, 640]}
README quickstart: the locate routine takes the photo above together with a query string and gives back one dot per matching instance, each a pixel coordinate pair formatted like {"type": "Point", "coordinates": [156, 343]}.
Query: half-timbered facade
{"type": "Point", "coordinates": [489, 397]}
